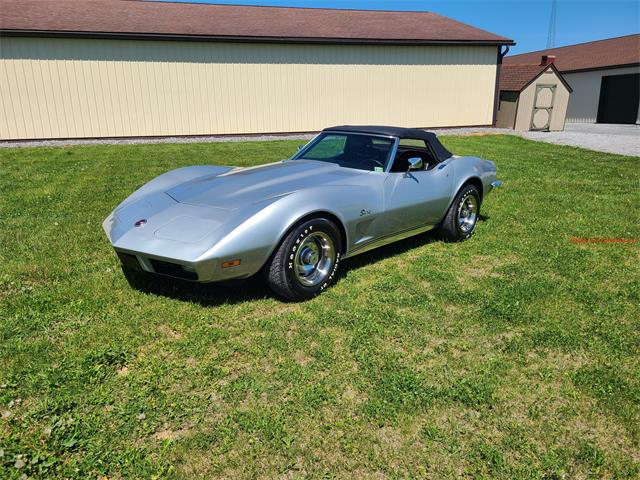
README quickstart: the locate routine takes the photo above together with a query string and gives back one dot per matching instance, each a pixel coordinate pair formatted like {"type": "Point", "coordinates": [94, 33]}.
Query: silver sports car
{"type": "Point", "coordinates": [348, 190]}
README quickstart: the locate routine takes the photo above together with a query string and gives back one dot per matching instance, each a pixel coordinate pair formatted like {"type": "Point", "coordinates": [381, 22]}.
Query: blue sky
{"type": "Point", "coordinates": [526, 21]}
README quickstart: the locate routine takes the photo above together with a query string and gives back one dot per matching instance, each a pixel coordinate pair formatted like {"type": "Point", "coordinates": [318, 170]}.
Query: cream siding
{"type": "Point", "coordinates": [66, 88]}
{"type": "Point", "coordinates": [583, 105]}
{"type": "Point", "coordinates": [527, 97]}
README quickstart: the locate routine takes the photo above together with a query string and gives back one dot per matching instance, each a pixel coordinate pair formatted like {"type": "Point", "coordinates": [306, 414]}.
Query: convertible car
{"type": "Point", "coordinates": [350, 189]}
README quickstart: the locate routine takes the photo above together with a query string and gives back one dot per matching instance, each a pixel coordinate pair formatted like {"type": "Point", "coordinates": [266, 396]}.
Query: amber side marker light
{"type": "Point", "coordinates": [231, 263]}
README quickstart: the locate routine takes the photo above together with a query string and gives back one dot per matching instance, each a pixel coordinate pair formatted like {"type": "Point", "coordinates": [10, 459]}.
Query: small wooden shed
{"type": "Point", "coordinates": [533, 97]}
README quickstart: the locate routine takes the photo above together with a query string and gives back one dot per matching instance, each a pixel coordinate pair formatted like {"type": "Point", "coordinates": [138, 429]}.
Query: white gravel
{"type": "Point", "coordinates": [622, 139]}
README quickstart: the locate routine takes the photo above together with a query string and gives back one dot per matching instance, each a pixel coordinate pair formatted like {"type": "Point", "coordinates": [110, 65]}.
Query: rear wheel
{"type": "Point", "coordinates": [306, 261]}
{"type": "Point", "coordinates": [462, 216]}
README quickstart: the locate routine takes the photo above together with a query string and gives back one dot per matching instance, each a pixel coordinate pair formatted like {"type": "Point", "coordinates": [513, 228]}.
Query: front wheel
{"type": "Point", "coordinates": [462, 216]}
{"type": "Point", "coordinates": [306, 261]}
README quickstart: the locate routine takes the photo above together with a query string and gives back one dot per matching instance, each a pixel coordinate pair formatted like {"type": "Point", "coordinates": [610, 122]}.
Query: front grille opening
{"type": "Point", "coordinates": [173, 269]}
{"type": "Point", "coordinates": [129, 261]}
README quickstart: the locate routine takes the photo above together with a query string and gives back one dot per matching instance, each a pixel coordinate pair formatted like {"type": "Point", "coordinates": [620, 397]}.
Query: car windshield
{"type": "Point", "coordinates": [351, 150]}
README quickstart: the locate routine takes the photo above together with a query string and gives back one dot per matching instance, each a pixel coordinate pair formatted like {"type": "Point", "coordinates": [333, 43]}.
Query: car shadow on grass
{"type": "Point", "coordinates": [204, 294]}
{"type": "Point", "coordinates": [396, 248]}
{"type": "Point", "coordinates": [255, 287]}
{"type": "Point", "coordinates": [387, 251]}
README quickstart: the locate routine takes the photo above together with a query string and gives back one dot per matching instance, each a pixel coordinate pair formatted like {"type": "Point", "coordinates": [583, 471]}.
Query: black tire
{"type": "Point", "coordinates": [281, 271]}
{"type": "Point", "coordinates": [450, 229]}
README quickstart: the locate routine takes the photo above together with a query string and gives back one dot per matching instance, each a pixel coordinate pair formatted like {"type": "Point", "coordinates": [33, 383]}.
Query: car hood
{"type": "Point", "coordinates": [244, 186]}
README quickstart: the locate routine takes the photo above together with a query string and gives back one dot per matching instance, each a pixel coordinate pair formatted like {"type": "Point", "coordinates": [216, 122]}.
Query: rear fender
{"type": "Point", "coordinates": [470, 168]}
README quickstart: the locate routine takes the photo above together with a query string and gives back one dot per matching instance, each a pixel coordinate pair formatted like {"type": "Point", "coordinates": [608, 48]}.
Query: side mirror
{"type": "Point", "coordinates": [415, 163]}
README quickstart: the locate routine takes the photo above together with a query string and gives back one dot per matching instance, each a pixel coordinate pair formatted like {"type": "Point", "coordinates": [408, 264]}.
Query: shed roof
{"type": "Point", "coordinates": [191, 21]}
{"type": "Point", "coordinates": [516, 78]}
{"type": "Point", "coordinates": [608, 53]}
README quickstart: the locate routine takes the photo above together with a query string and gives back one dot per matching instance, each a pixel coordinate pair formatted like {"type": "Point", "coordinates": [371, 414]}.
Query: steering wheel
{"type": "Point", "coordinates": [373, 160]}
{"type": "Point", "coordinates": [368, 157]}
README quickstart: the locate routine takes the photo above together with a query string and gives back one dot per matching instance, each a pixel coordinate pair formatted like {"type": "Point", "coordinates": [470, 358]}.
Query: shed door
{"type": "Point", "coordinates": [543, 107]}
{"type": "Point", "coordinates": [619, 95]}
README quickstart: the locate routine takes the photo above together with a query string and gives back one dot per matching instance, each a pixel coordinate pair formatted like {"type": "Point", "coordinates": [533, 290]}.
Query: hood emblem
{"type": "Point", "coordinates": [140, 222]}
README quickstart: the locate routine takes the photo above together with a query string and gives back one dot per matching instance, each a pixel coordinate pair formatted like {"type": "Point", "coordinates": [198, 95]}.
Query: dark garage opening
{"type": "Point", "coordinates": [619, 97]}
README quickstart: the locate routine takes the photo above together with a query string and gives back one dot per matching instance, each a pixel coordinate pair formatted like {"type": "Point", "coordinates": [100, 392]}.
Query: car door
{"type": "Point", "coordinates": [417, 198]}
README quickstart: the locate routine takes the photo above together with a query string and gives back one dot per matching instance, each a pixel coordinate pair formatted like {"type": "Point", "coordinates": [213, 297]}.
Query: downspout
{"type": "Point", "coordinates": [496, 93]}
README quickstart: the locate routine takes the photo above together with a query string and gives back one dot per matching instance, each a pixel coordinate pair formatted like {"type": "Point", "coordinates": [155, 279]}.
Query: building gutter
{"type": "Point", "coordinates": [244, 39]}
{"type": "Point", "coordinates": [607, 67]}
{"type": "Point", "coordinates": [496, 92]}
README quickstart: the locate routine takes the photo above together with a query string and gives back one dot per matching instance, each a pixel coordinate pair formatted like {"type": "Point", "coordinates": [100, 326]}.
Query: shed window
{"type": "Point", "coordinates": [508, 96]}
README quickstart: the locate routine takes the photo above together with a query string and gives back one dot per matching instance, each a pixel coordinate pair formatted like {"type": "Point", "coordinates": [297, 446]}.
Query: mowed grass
{"type": "Point", "coordinates": [512, 355]}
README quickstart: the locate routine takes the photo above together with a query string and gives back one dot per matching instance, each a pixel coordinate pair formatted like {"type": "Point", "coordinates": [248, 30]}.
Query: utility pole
{"type": "Point", "coordinates": [551, 37]}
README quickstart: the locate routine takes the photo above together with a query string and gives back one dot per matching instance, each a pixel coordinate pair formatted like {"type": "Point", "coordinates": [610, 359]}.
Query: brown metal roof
{"type": "Point", "coordinates": [612, 52]}
{"type": "Point", "coordinates": [190, 21]}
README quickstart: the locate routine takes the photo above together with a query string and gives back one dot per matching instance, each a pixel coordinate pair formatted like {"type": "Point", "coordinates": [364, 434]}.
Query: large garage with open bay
{"type": "Point", "coordinates": [134, 68]}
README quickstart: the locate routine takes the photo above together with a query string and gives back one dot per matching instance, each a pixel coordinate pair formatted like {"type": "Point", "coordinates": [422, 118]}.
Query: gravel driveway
{"type": "Point", "coordinates": [622, 139]}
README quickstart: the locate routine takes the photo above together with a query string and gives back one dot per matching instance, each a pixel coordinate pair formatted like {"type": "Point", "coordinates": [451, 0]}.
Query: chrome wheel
{"type": "Point", "coordinates": [314, 259]}
{"type": "Point", "coordinates": [468, 213]}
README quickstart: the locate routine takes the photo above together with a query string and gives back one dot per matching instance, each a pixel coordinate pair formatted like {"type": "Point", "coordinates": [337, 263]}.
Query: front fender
{"type": "Point", "coordinates": [256, 238]}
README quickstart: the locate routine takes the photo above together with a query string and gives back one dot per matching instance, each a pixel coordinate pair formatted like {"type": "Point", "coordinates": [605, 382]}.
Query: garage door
{"type": "Point", "coordinates": [619, 96]}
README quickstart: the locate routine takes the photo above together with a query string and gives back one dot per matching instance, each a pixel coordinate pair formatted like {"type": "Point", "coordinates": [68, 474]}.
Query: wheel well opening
{"type": "Point", "coordinates": [476, 182]}
{"type": "Point", "coordinates": [332, 218]}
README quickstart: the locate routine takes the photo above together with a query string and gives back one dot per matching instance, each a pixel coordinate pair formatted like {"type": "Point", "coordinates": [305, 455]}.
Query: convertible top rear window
{"type": "Point", "coordinates": [350, 150]}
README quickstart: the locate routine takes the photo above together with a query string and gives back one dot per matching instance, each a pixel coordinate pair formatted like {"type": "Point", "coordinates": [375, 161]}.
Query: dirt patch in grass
{"type": "Point", "coordinates": [302, 358]}
{"type": "Point", "coordinates": [170, 333]}
{"type": "Point", "coordinates": [352, 395]}
{"type": "Point", "coordinates": [483, 267]}
{"type": "Point", "coordinates": [169, 434]}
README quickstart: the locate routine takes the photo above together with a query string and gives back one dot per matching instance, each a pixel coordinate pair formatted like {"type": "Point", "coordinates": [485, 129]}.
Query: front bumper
{"type": "Point", "coordinates": [192, 242]}
{"type": "Point", "coordinates": [205, 271]}
{"type": "Point", "coordinates": [161, 267]}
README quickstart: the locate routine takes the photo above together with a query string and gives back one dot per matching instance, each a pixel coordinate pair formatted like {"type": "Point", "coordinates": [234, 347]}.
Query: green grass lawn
{"type": "Point", "coordinates": [515, 354]}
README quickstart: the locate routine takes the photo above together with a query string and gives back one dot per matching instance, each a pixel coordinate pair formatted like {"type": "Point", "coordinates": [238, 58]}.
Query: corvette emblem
{"type": "Point", "coordinates": [140, 222]}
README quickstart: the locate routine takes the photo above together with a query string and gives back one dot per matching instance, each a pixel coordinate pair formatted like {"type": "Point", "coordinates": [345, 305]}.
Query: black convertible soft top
{"type": "Point", "coordinates": [429, 137]}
